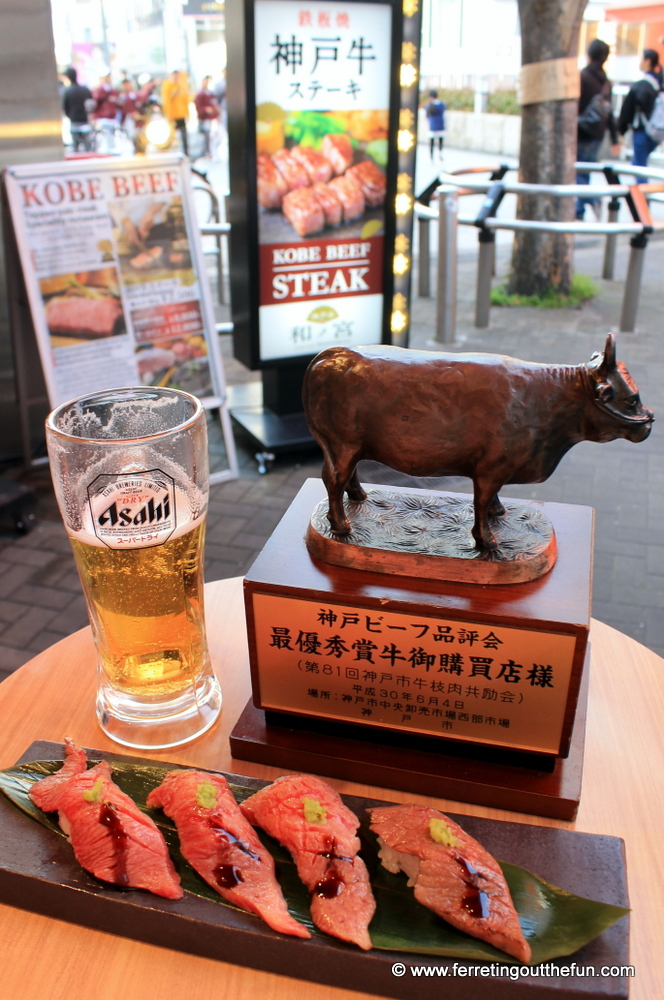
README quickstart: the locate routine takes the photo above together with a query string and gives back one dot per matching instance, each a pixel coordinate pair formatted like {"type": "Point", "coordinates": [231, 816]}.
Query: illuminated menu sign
{"type": "Point", "coordinates": [322, 146]}
{"type": "Point", "coordinates": [322, 109]}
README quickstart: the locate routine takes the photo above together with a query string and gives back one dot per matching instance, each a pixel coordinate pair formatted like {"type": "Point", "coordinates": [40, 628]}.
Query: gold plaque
{"type": "Point", "coordinates": [464, 680]}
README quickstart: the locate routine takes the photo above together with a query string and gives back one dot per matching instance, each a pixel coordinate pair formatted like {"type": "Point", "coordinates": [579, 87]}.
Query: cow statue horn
{"type": "Point", "coordinates": [609, 362]}
{"type": "Point", "coordinates": [601, 364]}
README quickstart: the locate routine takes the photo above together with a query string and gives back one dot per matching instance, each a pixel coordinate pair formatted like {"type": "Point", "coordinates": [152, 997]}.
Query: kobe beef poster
{"type": "Point", "coordinates": [322, 93]}
{"type": "Point", "coordinates": [112, 263]}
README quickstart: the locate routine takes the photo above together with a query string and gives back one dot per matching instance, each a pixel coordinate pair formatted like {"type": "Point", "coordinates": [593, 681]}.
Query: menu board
{"type": "Point", "coordinates": [322, 93]}
{"type": "Point", "coordinates": [115, 277]}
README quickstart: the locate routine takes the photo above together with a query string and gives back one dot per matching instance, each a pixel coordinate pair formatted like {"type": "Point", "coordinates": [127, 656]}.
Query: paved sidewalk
{"type": "Point", "coordinates": [40, 597]}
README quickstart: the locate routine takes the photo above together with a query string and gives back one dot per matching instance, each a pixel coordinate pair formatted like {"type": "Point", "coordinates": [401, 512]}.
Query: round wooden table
{"type": "Point", "coordinates": [53, 696]}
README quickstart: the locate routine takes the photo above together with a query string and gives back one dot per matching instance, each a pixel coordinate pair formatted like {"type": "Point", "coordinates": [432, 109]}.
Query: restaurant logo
{"type": "Point", "coordinates": [135, 511]}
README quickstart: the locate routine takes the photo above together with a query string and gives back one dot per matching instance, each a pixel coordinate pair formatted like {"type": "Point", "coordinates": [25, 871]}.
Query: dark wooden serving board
{"type": "Point", "coordinates": [38, 872]}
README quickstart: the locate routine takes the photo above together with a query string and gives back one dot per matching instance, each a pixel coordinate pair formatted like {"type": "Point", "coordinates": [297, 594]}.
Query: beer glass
{"type": "Point", "coordinates": [130, 471]}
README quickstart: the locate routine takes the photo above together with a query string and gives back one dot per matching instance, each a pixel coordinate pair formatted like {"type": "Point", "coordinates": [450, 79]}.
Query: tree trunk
{"type": "Point", "coordinates": [549, 30]}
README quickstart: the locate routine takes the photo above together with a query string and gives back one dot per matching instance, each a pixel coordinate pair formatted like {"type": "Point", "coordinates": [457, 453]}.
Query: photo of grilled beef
{"type": "Point", "coordinates": [83, 306]}
{"type": "Point", "coordinates": [330, 204]}
{"type": "Point", "coordinates": [317, 166]}
{"type": "Point", "coordinates": [371, 179]}
{"type": "Point", "coordinates": [315, 189]}
{"type": "Point", "coordinates": [291, 170]}
{"type": "Point", "coordinates": [350, 195]}
{"type": "Point", "coordinates": [339, 151]}
{"type": "Point", "coordinates": [271, 185]}
{"type": "Point", "coordinates": [78, 317]}
{"type": "Point", "coordinates": [304, 212]}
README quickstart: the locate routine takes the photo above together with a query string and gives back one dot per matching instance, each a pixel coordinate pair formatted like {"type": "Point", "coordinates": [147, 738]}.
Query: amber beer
{"type": "Point", "coordinates": [130, 471]}
{"type": "Point", "coordinates": [147, 608]}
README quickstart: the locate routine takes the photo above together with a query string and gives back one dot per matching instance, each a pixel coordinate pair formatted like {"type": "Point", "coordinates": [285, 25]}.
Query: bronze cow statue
{"type": "Point", "coordinates": [492, 418]}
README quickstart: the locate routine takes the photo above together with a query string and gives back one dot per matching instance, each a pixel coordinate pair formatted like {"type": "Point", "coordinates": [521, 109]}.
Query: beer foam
{"type": "Point", "coordinates": [125, 418]}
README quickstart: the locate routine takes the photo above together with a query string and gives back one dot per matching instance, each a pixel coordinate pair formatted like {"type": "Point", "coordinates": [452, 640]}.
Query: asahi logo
{"type": "Point", "coordinates": [133, 511]}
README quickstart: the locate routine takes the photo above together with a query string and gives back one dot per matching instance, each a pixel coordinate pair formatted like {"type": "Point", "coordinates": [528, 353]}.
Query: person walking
{"type": "Point", "coordinates": [435, 112]}
{"type": "Point", "coordinates": [128, 104]}
{"type": "Point", "coordinates": [76, 102]}
{"type": "Point", "coordinates": [638, 108]}
{"type": "Point", "coordinates": [207, 110]}
{"type": "Point", "coordinates": [175, 98]}
{"type": "Point", "coordinates": [106, 109]}
{"type": "Point", "coordinates": [595, 116]}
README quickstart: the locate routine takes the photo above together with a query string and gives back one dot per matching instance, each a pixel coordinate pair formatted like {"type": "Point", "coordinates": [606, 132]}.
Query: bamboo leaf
{"type": "Point", "coordinates": [555, 922]}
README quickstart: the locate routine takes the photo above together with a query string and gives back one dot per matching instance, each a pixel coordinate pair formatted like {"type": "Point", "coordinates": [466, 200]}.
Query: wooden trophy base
{"type": "Point", "coordinates": [461, 690]}
{"type": "Point", "coordinates": [500, 779]}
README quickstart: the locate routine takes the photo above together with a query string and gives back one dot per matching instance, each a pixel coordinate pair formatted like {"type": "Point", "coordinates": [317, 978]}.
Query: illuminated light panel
{"type": "Point", "coordinates": [407, 75]}
{"type": "Point", "coordinates": [410, 7]}
{"type": "Point", "coordinates": [401, 263]}
{"type": "Point", "coordinates": [405, 140]}
{"type": "Point", "coordinates": [401, 243]}
{"type": "Point", "coordinates": [403, 204]}
{"type": "Point", "coordinates": [400, 302]}
{"type": "Point", "coordinates": [408, 52]}
{"type": "Point", "coordinates": [404, 182]}
{"type": "Point", "coordinates": [406, 118]}
{"type": "Point", "coordinates": [158, 130]}
{"type": "Point", "coordinates": [399, 321]}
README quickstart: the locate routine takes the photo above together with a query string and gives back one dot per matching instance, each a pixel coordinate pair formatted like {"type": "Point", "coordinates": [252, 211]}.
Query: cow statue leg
{"type": "Point", "coordinates": [486, 504]}
{"type": "Point", "coordinates": [337, 472]}
{"type": "Point", "coordinates": [354, 490]}
{"type": "Point", "coordinates": [496, 508]}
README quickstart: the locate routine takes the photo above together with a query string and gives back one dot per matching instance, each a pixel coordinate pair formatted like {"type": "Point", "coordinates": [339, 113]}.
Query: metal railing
{"type": "Point", "coordinates": [452, 188]}
{"type": "Point", "coordinates": [219, 229]}
{"type": "Point", "coordinates": [213, 227]}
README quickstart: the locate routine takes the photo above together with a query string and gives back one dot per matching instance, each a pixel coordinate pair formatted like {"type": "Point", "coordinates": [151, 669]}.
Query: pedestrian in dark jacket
{"type": "Point", "coordinates": [435, 112]}
{"type": "Point", "coordinates": [594, 104]}
{"type": "Point", "coordinates": [637, 107]}
{"type": "Point", "coordinates": [76, 100]}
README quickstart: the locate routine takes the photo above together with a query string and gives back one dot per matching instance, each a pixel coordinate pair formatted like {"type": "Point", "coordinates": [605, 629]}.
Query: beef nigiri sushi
{"type": "Point", "coordinates": [111, 837]}
{"type": "Point", "coordinates": [219, 843]}
{"type": "Point", "coordinates": [453, 875]}
{"type": "Point", "coordinates": [311, 821]}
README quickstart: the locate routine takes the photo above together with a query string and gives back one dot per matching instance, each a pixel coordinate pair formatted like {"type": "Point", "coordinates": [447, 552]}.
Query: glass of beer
{"type": "Point", "coordinates": [130, 471]}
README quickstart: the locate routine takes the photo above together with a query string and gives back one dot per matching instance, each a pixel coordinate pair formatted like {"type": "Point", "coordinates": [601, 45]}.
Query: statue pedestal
{"type": "Point", "coordinates": [460, 690]}
{"type": "Point", "coordinates": [428, 536]}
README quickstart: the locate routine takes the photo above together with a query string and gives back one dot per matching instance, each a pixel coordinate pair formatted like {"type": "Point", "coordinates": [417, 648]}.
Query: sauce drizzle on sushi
{"type": "Point", "coordinates": [476, 901]}
{"type": "Point", "coordinates": [110, 818]}
{"type": "Point", "coordinates": [330, 886]}
{"type": "Point", "coordinates": [230, 838]}
{"type": "Point", "coordinates": [228, 876]}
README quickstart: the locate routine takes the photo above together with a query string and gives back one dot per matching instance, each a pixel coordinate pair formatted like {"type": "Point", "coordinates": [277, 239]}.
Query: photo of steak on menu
{"type": "Point", "coordinates": [82, 306]}
{"type": "Point", "coordinates": [320, 173]}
